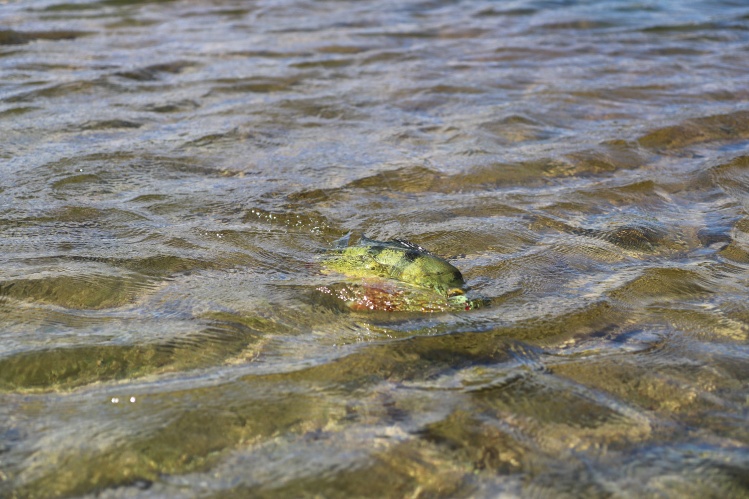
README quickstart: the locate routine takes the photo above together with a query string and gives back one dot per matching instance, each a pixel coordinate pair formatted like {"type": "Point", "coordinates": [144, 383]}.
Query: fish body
{"type": "Point", "coordinates": [399, 260]}
{"type": "Point", "coordinates": [395, 275]}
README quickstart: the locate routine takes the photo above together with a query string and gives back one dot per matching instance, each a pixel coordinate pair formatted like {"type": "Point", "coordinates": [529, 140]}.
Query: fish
{"type": "Point", "coordinates": [395, 275]}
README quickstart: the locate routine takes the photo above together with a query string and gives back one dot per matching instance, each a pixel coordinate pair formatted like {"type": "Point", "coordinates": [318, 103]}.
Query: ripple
{"type": "Point", "coordinates": [12, 37]}
{"type": "Point", "coordinates": [154, 71]}
{"type": "Point", "coordinates": [255, 84]}
{"type": "Point", "coordinates": [660, 470]}
{"type": "Point", "coordinates": [671, 380]}
{"type": "Point", "coordinates": [62, 368]}
{"type": "Point", "coordinates": [81, 291]}
{"type": "Point", "coordinates": [733, 178]}
{"type": "Point", "coordinates": [110, 124]}
{"type": "Point", "coordinates": [165, 198]}
{"type": "Point", "coordinates": [519, 129]}
{"type": "Point", "coordinates": [724, 127]}
{"type": "Point", "coordinates": [664, 285]}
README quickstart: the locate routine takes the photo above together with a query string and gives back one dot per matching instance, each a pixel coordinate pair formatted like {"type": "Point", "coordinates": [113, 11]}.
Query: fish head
{"type": "Point", "coordinates": [433, 272]}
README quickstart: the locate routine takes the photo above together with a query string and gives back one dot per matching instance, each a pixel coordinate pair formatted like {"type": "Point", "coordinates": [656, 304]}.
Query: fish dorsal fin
{"type": "Point", "coordinates": [395, 243]}
{"type": "Point", "coordinates": [364, 240]}
{"type": "Point", "coordinates": [343, 242]}
{"type": "Point", "coordinates": [409, 245]}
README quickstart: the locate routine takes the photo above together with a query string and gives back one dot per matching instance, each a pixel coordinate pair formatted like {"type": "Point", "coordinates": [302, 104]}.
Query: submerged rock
{"type": "Point", "coordinates": [394, 276]}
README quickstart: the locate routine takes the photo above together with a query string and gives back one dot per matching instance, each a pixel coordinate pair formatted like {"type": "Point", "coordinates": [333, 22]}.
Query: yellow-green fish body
{"type": "Point", "coordinates": [432, 283]}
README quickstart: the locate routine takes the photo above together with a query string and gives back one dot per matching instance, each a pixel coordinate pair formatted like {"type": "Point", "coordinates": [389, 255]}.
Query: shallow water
{"type": "Point", "coordinates": [170, 172]}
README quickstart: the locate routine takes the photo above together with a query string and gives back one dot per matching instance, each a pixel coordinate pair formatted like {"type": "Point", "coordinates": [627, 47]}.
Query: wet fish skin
{"type": "Point", "coordinates": [396, 259]}
{"type": "Point", "coordinates": [388, 295]}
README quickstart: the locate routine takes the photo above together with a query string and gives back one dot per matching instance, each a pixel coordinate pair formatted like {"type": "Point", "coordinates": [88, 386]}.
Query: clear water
{"type": "Point", "coordinates": [171, 170]}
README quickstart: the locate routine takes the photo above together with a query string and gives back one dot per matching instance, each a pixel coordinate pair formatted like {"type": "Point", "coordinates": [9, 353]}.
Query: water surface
{"type": "Point", "coordinates": [170, 172]}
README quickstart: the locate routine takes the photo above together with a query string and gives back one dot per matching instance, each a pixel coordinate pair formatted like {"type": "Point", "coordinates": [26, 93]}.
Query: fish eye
{"type": "Point", "coordinates": [455, 292]}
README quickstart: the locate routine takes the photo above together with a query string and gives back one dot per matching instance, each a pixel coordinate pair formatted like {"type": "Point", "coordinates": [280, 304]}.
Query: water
{"type": "Point", "coordinates": [170, 172]}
